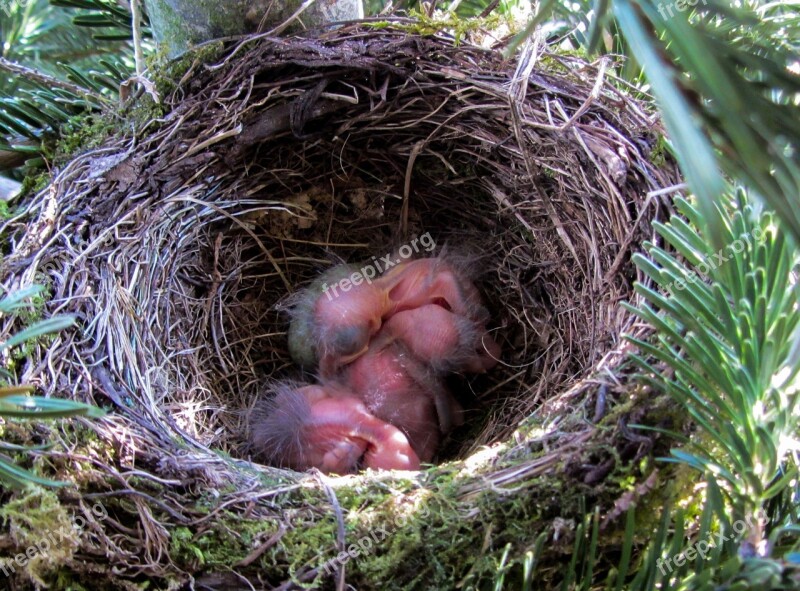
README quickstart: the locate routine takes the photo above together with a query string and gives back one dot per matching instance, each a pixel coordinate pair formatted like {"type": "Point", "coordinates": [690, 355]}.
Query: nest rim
{"type": "Point", "coordinates": [178, 192]}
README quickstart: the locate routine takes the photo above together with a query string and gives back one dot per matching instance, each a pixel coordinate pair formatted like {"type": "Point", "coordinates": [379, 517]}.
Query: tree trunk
{"type": "Point", "coordinates": [179, 24]}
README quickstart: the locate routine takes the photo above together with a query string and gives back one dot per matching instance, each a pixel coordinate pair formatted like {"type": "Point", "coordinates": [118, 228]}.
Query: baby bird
{"type": "Point", "coordinates": [397, 388]}
{"type": "Point", "coordinates": [445, 341]}
{"type": "Point", "coordinates": [330, 328]}
{"type": "Point", "coordinates": [326, 427]}
{"type": "Point", "coordinates": [433, 281]}
{"type": "Point", "coordinates": [381, 349]}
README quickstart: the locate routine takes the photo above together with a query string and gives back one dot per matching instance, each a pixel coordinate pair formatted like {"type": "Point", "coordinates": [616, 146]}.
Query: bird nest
{"type": "Point", "coordinates": [178, 242]}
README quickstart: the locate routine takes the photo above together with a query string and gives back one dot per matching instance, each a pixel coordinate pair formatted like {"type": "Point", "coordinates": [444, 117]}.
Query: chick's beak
{"type": "Point", "coordinates": [346, 359]}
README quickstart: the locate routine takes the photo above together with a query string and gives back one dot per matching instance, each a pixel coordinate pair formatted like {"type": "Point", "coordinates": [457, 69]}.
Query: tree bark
{"type": "Point", "coordinates": [179, 24]}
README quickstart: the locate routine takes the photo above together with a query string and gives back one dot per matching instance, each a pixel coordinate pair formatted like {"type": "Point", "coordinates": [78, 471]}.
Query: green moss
{"type": "Point", "coordinates": [410, 537]}
{"type": "Point", "coordinates": [225, 541]}
{"type": "Point", "coordinates": [303, 544]}
{"type": "Point", "coordinates": [143, 113]}
{"type": "Point", "coordinates": [228, 539]}
{"type": "Point", "coordinates": [6, 213]}
{"type": "Point", "coordinates": [80, 134]}
{"type": "Point", "coordinates": [89, 131]}
{"type": "Point", "coordinates": [34, 182]}
{"type": "Point", "coordinates": [167, 74]}
{"type": "Point", "coordinates": [658, 155]}
{"type": "Point", "coordinates": [426, 25]}
{"type": "Point", "coordinates": [27, 316]}
{"type": "Point", "coordinates": [40, 528]}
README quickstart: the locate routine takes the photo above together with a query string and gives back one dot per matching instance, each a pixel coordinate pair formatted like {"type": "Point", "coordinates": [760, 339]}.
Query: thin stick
{"type": "Point", "coordinates": [136, 22]}
{"type": "Point", "coordinates": [47, 80]}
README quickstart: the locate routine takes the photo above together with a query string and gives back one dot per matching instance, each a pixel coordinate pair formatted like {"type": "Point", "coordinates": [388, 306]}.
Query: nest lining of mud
{"type": "Point", "coordinates": [179, 246]}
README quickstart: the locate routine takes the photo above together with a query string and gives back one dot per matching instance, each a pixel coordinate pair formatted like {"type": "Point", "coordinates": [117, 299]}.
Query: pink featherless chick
{"type": "Point", "coordinates": [331, 328]}
{"type": "Point", "coordinates": [328, 428]}
{"type": "Point", "coordinates": [399, 389]}
{"type": "Point", "coordinates": [445, 341]}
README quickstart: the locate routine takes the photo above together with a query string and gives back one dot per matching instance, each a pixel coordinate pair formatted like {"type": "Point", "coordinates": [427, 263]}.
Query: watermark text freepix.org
{"type": "Point", "coordinates": [7, 6]}
{"type": "Point", "coordinates": [702, 547]}
{"type": "Point", "coordinates": [369, 271]}
{"type": "Point", "coordinates": [364, 545]}
{"type": "Point", "coordinates": [718, 259]}
{"type": "Point", "coordinates": [50, 540]}
{"type": "Point", "coordinates": [679, 5]}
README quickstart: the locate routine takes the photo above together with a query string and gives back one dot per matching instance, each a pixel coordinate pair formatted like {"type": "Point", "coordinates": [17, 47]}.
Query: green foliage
{"type": "Point", "coordinates": [725, 348]}
{"type": "Point", "coordinates": [66, 58]}
{"type": "Point", "coordinates": [682, 555]}
{"type": "Point", "coordinates": [728, 330]}
{"type": "Point", "coordinates": [732, 69]}
{"type": "Point", "coordinates": [730, 333]}
{"type": "Point", "coordinates": [15, 401]}
{"type": "Point", "coordinates": [110, 17]}
{"type": "Point", "coordinates": [739, 86]}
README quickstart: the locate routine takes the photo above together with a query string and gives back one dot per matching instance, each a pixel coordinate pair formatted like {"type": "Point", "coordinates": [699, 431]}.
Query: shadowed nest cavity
{"type": "Point", "coordinates": [178, 249]}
